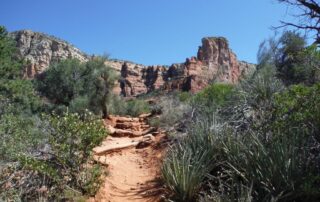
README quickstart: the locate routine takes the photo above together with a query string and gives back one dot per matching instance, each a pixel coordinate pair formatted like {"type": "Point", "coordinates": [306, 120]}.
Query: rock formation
{"type": "Point", "coordinates": [40, 50]}
{"type": "Point", "coordinates": [215, 62]}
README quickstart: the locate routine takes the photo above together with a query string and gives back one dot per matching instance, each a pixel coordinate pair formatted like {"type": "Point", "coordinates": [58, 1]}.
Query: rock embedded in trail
{"type": "Point", "coordinates": [146, 141]}
{"type": "Point", "coordinates": [111, 148]}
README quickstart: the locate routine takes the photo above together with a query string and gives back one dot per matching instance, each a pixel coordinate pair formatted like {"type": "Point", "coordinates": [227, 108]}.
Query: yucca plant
{"type": "Point", "coordinates": [278, 169]}
{"type": "Point", "coordinates": [184, 172]}
{"type": "Point", "coordinates": [190, 161]}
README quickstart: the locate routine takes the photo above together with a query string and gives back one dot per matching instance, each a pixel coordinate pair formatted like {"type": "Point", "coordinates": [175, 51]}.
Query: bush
{"type": "Point", "coordinates": [72, 137]}
{"type": "Point", "coordinates": [252, 103]}
{"type": "Point", "coordinates": [117, 105]}
{"type": "Point", "coordinates": [299, 108]}
{"type": "Point", "coordinates": [11, 67]}
{"type": "Point", "coordinates": [173, 111]}
{"type": "Point", "coordinates": [183, 172]}
{"type": "Point", "coordinates": [215, 94]}
{"type": "Point", "coordinates": [295, 62]}
{"type": "Point", "coordinates": [275, 157]}
{"type": "Point", "coordinates": [137, 107]}
{"type": "Point", "coordinates": [62, 81]}
{"type": "Point", "coordinates": [65, 152]}
{"type": "Point", "coordinates": [184, 96]}
{"type": "Point", "coordinates": [281, 167]}
{"type": "Point", "coordinates": [40, 160]}
{"type": "Point", "coordinates": [19, 135]}
{"type": "Point", "coordinates": [79, 85]}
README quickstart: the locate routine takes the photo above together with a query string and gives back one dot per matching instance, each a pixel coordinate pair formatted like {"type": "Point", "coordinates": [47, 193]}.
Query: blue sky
{"type": "Point", "coordinates": [148, 31]}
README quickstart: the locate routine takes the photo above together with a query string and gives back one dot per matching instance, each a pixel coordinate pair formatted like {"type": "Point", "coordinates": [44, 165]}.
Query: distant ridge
{"type": "Point", "coordinates": [215, 62]}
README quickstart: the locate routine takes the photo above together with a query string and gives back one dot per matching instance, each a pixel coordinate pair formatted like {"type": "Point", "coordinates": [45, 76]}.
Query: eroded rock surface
{"type": "Point", "coordinates": [215, 62]}
{"type": "Point", "coordinates": [40, 50]}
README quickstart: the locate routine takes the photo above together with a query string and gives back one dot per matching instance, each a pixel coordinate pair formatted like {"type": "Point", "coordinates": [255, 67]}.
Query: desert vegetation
{"type": "Point", "coordinates": [45, 155]}
{"type": "Point", "coordinates": [256, 141]}
{"type": "Point", "coordinates": [50, 125]}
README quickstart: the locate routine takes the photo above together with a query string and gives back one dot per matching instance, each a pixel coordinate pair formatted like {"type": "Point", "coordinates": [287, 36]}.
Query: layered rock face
{"type": "Point", "coordinates": [40, 50]}
{"type": "Point", "coordinates": [215, 62]}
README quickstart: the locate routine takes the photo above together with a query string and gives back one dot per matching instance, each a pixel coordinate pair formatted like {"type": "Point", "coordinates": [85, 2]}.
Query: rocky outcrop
{"type": "Point", "coordinates": [40, 50]}
{"type": "Point", "coordinates": [215, 62]}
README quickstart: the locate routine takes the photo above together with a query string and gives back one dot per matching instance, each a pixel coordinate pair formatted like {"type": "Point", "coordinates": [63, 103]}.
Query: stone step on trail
{"type": "Point", "coordinates": [133, 162]}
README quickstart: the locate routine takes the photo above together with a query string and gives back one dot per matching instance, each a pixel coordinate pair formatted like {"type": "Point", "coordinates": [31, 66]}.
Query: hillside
{"type": "Point", "coordinates": [76, 127]}
{"type": "Point", "coordinates": [215, 61]}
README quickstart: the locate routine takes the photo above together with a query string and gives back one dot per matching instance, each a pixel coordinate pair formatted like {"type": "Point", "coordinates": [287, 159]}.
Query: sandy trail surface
{"type": "Point", "coordinates": [133, 154]}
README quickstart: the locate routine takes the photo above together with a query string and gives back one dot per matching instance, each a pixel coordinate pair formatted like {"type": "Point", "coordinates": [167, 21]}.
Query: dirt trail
{"type": "Point", "coordinates": [133, 154]}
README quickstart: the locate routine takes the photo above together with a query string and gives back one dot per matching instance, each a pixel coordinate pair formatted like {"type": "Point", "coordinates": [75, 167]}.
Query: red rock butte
{"type": "Point", "coordinates": [215, 62]}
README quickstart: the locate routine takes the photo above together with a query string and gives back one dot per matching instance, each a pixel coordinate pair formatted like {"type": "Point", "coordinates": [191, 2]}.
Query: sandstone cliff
{"type": "Point", "coordinates": [40, 50]}
{"type": "Point", "coordinates": [215, 62]}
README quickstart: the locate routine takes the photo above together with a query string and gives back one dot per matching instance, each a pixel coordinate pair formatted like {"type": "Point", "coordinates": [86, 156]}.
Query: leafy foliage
{"type": "Point", "coordinates": [295, 62]}
{"type": "Point", "coordinates": [137, 107]}
{"type": "Point", "coordinates": [19, 135]}
{"type": "Point", "coordinates": [299, 108]}
{"type": "Point", "coordinates": [79, 85]}
{"type": "Point", "coordinates": [62, 82]}
{"type": "Point", "coordinates": [65, 150]}
{"type": "Point", "coordinates": [42, 159]}
{"type": "Point", "coordinates": [72, 137]}
{"type": "Point", "coordinates": [215, 94]}
{"type": "Point", "coordinates": [10, 66]}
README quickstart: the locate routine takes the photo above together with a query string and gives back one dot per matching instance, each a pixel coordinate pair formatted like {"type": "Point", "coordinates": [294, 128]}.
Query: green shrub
{"type": "Point", "coordinates": [137, 107]}
{"type": "Point", "coordinates": [294, 61]}
{"type": "Point", "coordinates": [274, 159]}
{"type": "Point", "coordinates": [184, 171]}
{"type": "Point", "coordinates": [252, 102]}
{"type": "Point", "coordinates": [172, 111]}
{"type": "Point", "coordinates": [117, 105]}
{"type": "Point", "coordinates": [72, 137]}
{"type": "Point", "coordinates": [69, 141]}
{"type": "Point", "coordinates": [154, 122]}
{"type": "Point", "coordinates": [78, 85]}
{"type": "Point", "coordinates": [19, 135]}
{"type": "Point", "coordinates": [215, 94]}
{"type": "Point", "coordinates": [184, 96]}
{"type": "Point", "coordinates": [11, 67]}
{"type": "Point", "coordinates": [91, 179]}
{"type": "Point", "coordinates": [299, 108]}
